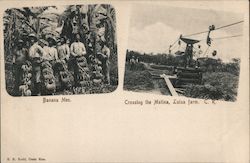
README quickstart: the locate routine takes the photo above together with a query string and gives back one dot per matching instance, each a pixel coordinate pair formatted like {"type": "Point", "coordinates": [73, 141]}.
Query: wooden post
{"type": "Point", "coordinates": [169, 85]}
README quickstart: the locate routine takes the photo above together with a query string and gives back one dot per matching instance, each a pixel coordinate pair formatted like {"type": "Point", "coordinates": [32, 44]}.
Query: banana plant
{"type": "Point", "coordinates": [19, 22]}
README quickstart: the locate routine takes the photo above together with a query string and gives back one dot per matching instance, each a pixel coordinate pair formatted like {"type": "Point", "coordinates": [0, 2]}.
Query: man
{"type": "Point", "coordinates": [77, 50]}
{"type": "Point", "coordinates": [188, 55]}
{"type": "Point", "coordinates": [101, 32]}
{"type": "Point", "coordinates": [104, 57]}
{"type": "Point", "coordinates": [36, 54]}
{"type": "Point", "coordinates": [63, 50]}
{"type": "Point", "coordinates": [44, 45]}
{"type": "Point", "coordinates": [137, 60]}
{"type": "Point", "coordinates": [196, 56]}
{"type": "Point", "coordinates": [132, 63]}
{"type": "Point", "coordinates": [50, 54]}
{"type": "Point", "coordinates": [20, 55]}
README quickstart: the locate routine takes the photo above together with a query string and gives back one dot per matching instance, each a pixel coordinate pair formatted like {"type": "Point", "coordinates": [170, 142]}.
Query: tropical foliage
{"type": "Point", "coordinates": [220, 79]}
{"type": "Point", "coordinates": [18, 23]}
{"type": "Point", "coordinates": [52, 21]}
{"type": "Point", "coordinates": [207, 64]}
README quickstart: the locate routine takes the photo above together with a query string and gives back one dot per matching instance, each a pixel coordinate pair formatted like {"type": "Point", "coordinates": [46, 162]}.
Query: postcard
{"type": "Point", "coordinates": [124, 81]}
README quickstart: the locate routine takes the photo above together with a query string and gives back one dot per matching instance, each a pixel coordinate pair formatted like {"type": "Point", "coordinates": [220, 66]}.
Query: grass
{"type": "Point", "coordinates": [137, 80]}
{"type": "Point", "coordinates": [217, 86]}
{"type": "Point", "coordinates": [140, 80]}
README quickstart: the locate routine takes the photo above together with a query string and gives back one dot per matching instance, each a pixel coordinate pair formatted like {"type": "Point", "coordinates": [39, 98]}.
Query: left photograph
{"type": "Point", "coordinates": [60, 50]}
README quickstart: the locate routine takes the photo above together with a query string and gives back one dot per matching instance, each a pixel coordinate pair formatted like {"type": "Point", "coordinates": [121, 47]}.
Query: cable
{"type": "Point", "coordinates": [215, 28]}
{"type": "Point", "coordinates": [224, 37]}
{"type": "Point", "coordinates": [174, 43]}
{"type": "Point", "coordinates": [206, 51]}
{"type": "Point", "coordinates": [174, 47]}
{"type": "Point", "coordinates": [219, 38]}
{"type": "Point", "coordinates": [229, 25]}
{"type": "Point", "coordinates": [195, 34]}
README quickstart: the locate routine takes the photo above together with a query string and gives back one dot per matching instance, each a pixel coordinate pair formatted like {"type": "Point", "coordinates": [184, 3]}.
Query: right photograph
{"type": "Point", "coordinates": [188, 52]}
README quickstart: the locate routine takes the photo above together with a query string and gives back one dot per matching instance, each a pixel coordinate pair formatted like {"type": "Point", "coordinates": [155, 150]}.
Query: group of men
{"type": "Point", "coordinates": [133, 61]}
{"type": "Point", "coordinates": [53, 51]}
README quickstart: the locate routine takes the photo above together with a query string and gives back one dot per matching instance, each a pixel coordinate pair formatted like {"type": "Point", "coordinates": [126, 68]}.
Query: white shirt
{"type": "Point", "coordinates": [77, 49]}
{"type": "Point", "coordinates": [63, 51]}
{"type": "Point", "coordinates": [36, 51]}
{"type": "Point", "coordinates": [50, 53]}
{"type": "Point", "coordinates": [106, 51]}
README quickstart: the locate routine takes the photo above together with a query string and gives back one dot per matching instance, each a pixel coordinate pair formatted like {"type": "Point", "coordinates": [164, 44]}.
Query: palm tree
{"type": "Point", "coordinates": [19, 22]}
{"type": "Point", "coordinates": [111, 27]}
{"type": "Point", "coordinates": [87, 21]}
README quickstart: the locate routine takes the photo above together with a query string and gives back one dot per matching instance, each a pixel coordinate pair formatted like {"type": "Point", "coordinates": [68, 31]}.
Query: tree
{"type": "Point", "coordinates": [19, 22]}
{"type": "Point", "coordinates": [84, 19]}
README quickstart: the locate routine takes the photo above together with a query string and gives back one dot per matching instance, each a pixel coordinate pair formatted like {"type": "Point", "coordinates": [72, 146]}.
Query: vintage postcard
{"type": "Point", "coordinates": [124, 81]}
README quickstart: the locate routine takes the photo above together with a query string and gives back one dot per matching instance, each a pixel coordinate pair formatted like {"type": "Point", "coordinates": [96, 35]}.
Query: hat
{"type": "Point", "coordinates": [32, 35]}
{"type": "Point", "coordinates": [43, 41]}
{"type": "Point", "coordinates": [52, 38]}
{"type": "Point", "coordinates": [20, 41]}
{"type": "Point", "coordinates": [58, 42]}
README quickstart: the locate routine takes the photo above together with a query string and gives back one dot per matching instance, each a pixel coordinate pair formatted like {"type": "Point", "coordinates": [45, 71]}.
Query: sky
{"type": "Point", "coordinates": [154, 27]}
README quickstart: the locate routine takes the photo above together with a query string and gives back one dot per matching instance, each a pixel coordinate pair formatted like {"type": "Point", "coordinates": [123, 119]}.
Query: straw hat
{"type": "Point", "coordinates": [20, 41]}
{"type": "Point", "coordinates": [32, 35]}
{"type": "Point", "coordinates": [53, 39]}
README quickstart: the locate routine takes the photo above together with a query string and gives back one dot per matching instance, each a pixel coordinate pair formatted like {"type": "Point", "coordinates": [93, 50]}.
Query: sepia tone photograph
{"type": "Point", "coordinates": [182, 94]}
{"type": "Point", "coordinates": [187, 52]}
{"type": "Point", "coordinates": [60, 50]}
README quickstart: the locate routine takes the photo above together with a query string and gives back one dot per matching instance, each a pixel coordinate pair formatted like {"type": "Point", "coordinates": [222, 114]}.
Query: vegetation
{"type": "Point", "coordinates": [217, 86]}
{"type": "Point", "coordinates": [166, 61]}
{"type": "Point", "coordinates": [19, 22]}
{"type": "Point", "coordinates": [138, 80]}
{"type": "Point", "coordinates": [82, 19]}
{"type": "Point", "coordinates": [220, 80]}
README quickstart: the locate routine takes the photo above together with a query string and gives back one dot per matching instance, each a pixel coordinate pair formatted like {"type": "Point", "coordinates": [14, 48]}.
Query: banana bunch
{"type": "Point", "coordinates": [83, 77]}
{"type": "Point", "coordinates": [65, 76]}
{"type": "Point", "coordinates": [25, 87]}
{"type": "Point", "coordinates": [97, 73]}
{"type": "Point", "coordinates": [82, 61]}
{"type": "Point", "coordinates": [48, 78]}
